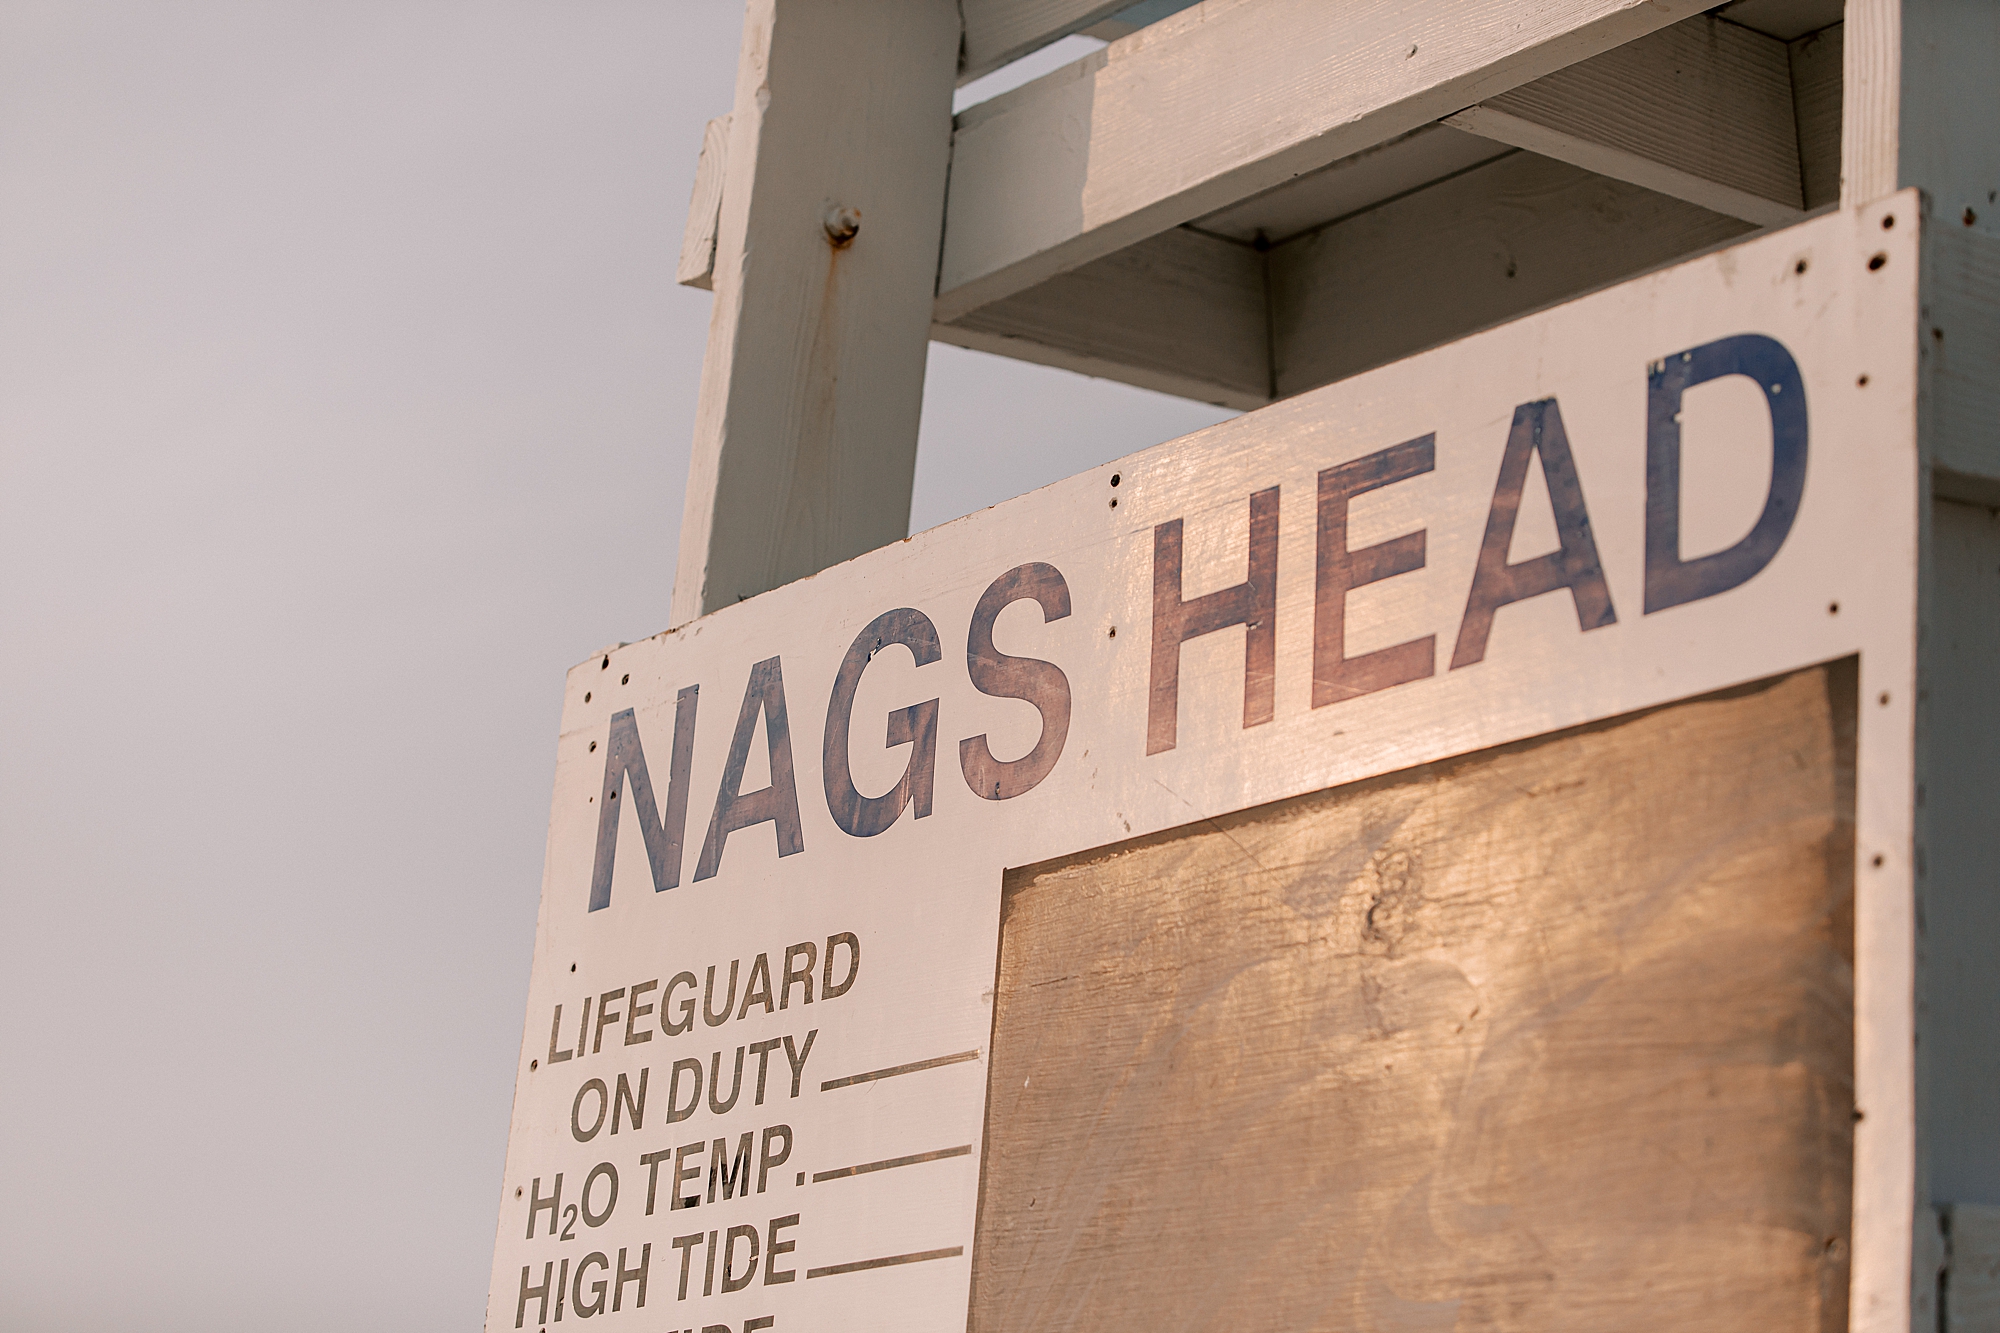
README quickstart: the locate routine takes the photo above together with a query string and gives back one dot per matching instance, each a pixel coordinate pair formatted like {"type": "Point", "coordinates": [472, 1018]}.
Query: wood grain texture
{"type": "Point", "coordinates": [1701, 111]}
{"type": "Point", "coordinates": [806, 434]}
{"type": "Point", "coordinates": [1920, 103]}
{"type": "Point", "coordinates": [1557, 1036]}
{"type": "Point", "coordinates": [1226, 100]}
{"type": "Point", "coordinates": [1483, 247]}
{"type": "Point", "coordinates": [1816, 60]}
{"type": "Point", "coordinates": [1871, 99]}
{"type": "Point", "coordinates": [1179, 312]}
{"type": "Point", "coordinates": [696, 267]}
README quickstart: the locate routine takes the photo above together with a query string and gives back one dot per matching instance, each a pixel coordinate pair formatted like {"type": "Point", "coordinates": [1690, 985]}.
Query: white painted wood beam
{"type": "Point", "coordinates": [825, 257]}
{"type": "Point", "coordinates": [1227, 99]}
{"type": "Point", "coordinates": [1701, 111]}
{"type": "Point", "coordinates": [1211, 319]}
{"type": "Point", "coordinates": [999, 31]}
{"type": "Point", "coordinates": [1180, 313]}
{"type": "Point", "coordinates": [1871, 99]}
{"type": "Point", "coordinates": [1486, 246]}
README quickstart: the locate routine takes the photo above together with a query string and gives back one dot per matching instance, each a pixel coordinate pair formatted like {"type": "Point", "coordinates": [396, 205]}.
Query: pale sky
{"type": "Point", "coordinates": [345, 396]}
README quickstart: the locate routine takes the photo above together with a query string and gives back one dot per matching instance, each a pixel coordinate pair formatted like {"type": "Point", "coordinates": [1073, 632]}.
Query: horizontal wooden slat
{"type": "Point", "coordinates": [1226, 100]}
{"type": "Point", "coordinates": [1180, 312]}
{"type": "Point", "coordinates": [1486, 246]}
{"type": "Point", "coordinates": [1701, 111]}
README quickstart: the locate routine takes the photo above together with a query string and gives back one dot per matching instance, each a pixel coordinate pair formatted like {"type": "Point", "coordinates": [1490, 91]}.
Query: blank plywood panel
{"type": "Point", "coordinates": [1556, 1036]}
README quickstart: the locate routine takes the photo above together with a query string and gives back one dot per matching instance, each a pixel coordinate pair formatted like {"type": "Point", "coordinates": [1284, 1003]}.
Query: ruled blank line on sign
{"type": "Point", "coordinates": [962, 1150]}
{"type": "Point", "coordinates": [891, 1261]}
{"type": "Point", "coordinates": [874, 1074]}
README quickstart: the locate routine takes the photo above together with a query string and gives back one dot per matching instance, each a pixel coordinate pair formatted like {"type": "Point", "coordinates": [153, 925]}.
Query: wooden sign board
{"type": "Point", "coordinates": [1429, 853]}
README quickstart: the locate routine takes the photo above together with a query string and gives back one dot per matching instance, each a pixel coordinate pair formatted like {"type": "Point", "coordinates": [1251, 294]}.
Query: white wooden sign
{"type": "Point", "coordinates": [753, 1081]}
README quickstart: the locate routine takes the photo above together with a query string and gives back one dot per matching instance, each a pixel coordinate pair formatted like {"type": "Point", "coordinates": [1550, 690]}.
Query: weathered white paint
{"type": "Point", "coordinates": [1711, 122]}
{"type": "Point", "coordinates": [1211, 319]}
{"type": "Point", "coordinates": [1215, 319]}
{"type": "Point", "coordinates": [1226, 100]}
{"type": "Point", "coordinates": [1920, 105]}
{"type": "Point", "coordinates": [1195, 315]}
{"type": "Point", "coordinates": [1949, 118]}
{"type": "Point", "coordinates": [1701, 111]}
{"type": "Point", "coordinates": [1182, 313]}
{"type": "Point", "coordinates": [1582, 150]}
{"type": "Point", "coordinates": [999, 31]}
{"type": "Point", "coordinates": [805, 439]}
{"type": "Point", "coordinates": [1487, 245]}
{"type": "Point", "coordinates": [1341, 189]}
{"type": "Point", "coordinates": [696, 267]}
{"type": "Point", "coordinates": [924, 895]}
{"type": "Point", "coordinates": [1871, 98]}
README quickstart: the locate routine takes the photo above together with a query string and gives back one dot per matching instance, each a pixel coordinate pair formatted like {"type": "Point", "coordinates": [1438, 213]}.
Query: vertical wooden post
{"type": "Point", "coordinates": [1871, 93]}
{"type": "Point", "coordinates": [1920, 108]}
{"type": "Point", "coordinates": [825, 268]}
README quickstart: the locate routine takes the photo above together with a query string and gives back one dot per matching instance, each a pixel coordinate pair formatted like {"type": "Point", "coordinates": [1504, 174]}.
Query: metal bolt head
{"type": "Point", "coordinates": [842, 224]}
